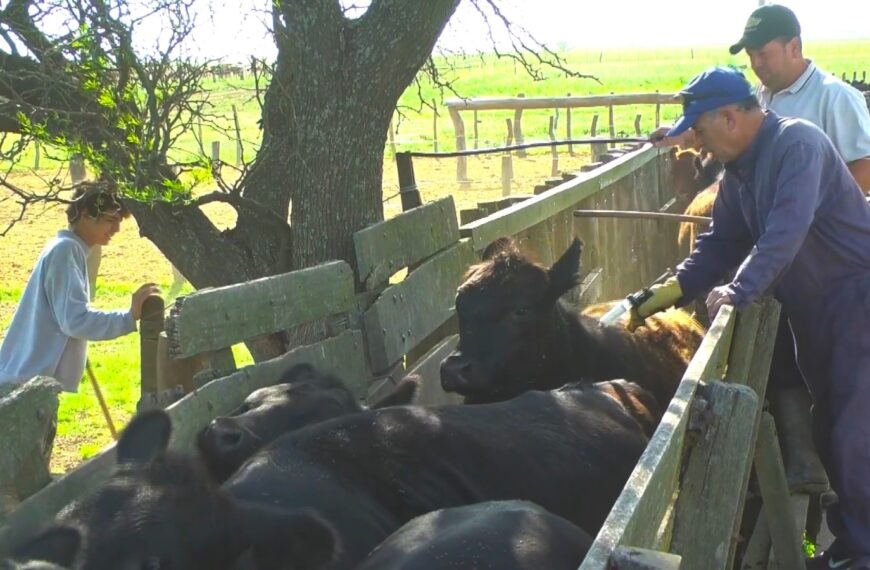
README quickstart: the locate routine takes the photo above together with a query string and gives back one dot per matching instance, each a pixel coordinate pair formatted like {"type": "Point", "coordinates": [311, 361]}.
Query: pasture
{"type": "Point", "coordinates": [130, 260]}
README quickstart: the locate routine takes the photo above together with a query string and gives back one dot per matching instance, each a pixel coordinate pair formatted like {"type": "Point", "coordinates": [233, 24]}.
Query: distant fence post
{"type": "Point", "coordinates": [36, 156]}
{"type": "Point", "coordinates": [596, 149]}
{"type": "Point", "coordinates": [507, 165]}
{"type": "Point", "coordinates": [518, 128]}
{"type": "Point", "coordinates": [658, 112]}
{"type": "Point", "coordinates": [392, 138]}
{"type": "Point", "coordinates": [476, 135]}
{"type": "Point", "coordinates": [150, 327]}
{"type": "Point", "coordinates": [239, 150]}
{"type": "Point", "coordinates": [77, 171]}
{"type": "Point", "coordinates": [434, 126]}
{"type": "Point", "coordinates": [612, 124]}
{"type": "Point", "coordinates": [554, 170]}
{"type": "Point", "coordinates": [637, 120]}
{"type": "Point", "coordinates": [215, 157]}
{"type": "Point", "coordinates": [407, 183]}
{"type": "Point", "coordinates": [568, 129]}
{"type": "Point", "coordinates": [461, 161]}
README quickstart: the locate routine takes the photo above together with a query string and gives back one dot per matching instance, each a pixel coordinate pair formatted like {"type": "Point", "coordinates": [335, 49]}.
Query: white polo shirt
{"type": "Point", "coordinates": [834, 106]}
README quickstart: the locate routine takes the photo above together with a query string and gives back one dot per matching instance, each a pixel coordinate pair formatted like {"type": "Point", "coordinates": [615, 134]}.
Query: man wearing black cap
{"type": "Point", "coordinates": [793, 222]}
{"type": "Point", "coordinates": [794, 87]}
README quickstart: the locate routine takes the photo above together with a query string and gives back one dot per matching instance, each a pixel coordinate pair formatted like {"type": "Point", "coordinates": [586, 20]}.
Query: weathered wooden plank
{"type": "Point", "coordinates": [429, 370]}
{"type": "Point", "coordinates": [757, 552]}
{"type": "Point", "coordinates": [342, 355]}
{"type": "Point", "coordinates": [406, 313]}
{"type": "Point", "coordinates": [765, 340]}
{"type": "Point", "coordinates": [524, 215]}
{"type": "Point", "coordinates": [589, 290]}
{"type": "Point", "coordinates": [28, 422]}
{"type": "Point", "coordinates": [218, 318]}
{"type": "Point", "coordinates": [715, 477]}
{"type": "Point", "coordinates": [774, 492]}
{"type": "Point", "coordinates": [412, 236]}
{"type": "Point", "coordinates": [630, 558]}
{"type": "Point", "coordinates": [636, 518]}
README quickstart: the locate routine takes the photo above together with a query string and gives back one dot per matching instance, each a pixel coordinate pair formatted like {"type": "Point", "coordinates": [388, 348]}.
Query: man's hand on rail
{"type": "Point", "coordinates": [686, 140]}
{"type": "Point", "coordinates": [718, 297]}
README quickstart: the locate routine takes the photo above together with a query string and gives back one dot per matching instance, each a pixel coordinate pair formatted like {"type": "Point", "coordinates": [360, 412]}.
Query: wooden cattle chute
{"type": "Point", "coordinates": [375, 330]}
{"type": "Point", "coordinates": [522, 103]}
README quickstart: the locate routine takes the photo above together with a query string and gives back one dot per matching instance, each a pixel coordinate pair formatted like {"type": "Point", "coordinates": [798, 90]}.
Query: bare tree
{"type": "Point", "coordinates": [317, 175]}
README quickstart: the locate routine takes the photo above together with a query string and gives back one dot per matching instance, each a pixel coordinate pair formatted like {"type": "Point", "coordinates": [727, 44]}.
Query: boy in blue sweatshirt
{"type": "Point", "coordinates": [54, 321]}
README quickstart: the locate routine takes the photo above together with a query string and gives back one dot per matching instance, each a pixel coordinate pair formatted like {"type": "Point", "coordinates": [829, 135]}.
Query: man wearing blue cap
{"type": "Point", "coordinates": [792, 221]}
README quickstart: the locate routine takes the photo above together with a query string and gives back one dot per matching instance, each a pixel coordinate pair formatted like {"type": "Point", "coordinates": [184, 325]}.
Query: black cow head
{"type": "Point", "coordinates": [162, 511]}
{"type": "Point", "coordinates": [507, 314]}
{"type": "Point", "coordinates": [54, 549]}
{"type": "Point", "coordinates": [304, 397]}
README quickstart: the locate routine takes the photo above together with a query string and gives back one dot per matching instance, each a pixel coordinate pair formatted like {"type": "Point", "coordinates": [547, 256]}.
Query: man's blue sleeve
{"type": "Point", "coordinates": [718, 251]}
{"type": "Point", "coordinates": [796, 199]}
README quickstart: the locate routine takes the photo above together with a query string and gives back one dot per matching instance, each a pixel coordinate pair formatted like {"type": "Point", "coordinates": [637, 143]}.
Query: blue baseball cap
{"type": "Point", "coordinates": [711, 89]}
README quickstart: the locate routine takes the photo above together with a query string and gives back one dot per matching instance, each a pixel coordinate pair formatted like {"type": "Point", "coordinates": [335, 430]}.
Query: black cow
{"type": "Point", "coordinates": [54, 549]}
{"type": "Point", "coordinates": [365, 475]}
{"type": "Point", "coordinates": [517, 334]}
{"type": "Point", "coordinates": [161, 510]}
{"type": "Point", "coordinates": [305, 396]}
{"type": "Point", "coordinates": [507, 535]}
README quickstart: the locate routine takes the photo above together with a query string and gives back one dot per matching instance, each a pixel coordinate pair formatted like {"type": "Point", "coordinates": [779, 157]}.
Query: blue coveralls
{"type": "Point", "coordinates": [791, 216]}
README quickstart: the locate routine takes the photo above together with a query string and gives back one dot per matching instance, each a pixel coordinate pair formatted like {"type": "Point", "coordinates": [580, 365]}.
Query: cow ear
{"type": "Point", "coordinates": [145, 438]}
{"type": "Point", "coordinates": [403, 393]}
{"type": "Point", "coordinates": [501, 245]}
{"type": "Point", "coordinates": [58, 545]}
{"type": "Point", "coordinates": [281, 538]}
{"type": "Point", "coordinates": [565, 273]}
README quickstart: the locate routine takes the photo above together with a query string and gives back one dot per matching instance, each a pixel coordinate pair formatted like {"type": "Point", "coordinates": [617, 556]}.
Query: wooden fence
{"type": "Point", "coordinates": [376, 327]}
{"type": "Point", "coordinates": [521, 103]}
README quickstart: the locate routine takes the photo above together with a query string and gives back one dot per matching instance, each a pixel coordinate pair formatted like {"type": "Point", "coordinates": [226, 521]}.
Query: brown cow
{"type": "Point", "coordinates": [517, 334]}
{"type": "Point", "coordinates": [692, 172]}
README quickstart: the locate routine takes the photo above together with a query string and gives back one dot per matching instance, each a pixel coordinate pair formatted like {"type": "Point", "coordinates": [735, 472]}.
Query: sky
{"type": "Point", "coordinates": [227, 33]}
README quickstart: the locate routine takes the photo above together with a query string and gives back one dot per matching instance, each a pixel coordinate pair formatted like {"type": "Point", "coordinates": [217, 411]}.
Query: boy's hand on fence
{"type": "Point", "coordinates": [139, 297]}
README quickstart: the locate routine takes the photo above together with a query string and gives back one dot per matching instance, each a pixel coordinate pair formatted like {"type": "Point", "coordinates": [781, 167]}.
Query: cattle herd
{"type": "Point", "coordinates": [558, 409]}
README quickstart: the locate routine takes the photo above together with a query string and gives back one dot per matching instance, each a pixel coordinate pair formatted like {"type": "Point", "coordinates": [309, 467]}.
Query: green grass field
{"type": "Point", "coordinates": [133, 260]}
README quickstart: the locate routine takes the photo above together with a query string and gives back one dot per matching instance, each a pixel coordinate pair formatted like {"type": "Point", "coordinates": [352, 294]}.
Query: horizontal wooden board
{"type": "Point", "coordinates": [342, 355]}
{"type": "Point", "coordinates": [218, 318]}
{"type": "Point", "coordinates": [512, 103]}
{"type": "Point", "coordinates": [519, 217]}
{"type": "Point", "coordinates": [410, 237]}
{"type": "Point", "coordinates": [406, 313]}
{"type": "Point", "coordinates": [637, 516]}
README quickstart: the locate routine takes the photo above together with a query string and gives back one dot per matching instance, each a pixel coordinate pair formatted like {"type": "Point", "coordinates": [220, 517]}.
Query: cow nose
{"type": "Point", "coordinates": [455, 372]}
{"type": "Point", "coordinates": [225, 435]}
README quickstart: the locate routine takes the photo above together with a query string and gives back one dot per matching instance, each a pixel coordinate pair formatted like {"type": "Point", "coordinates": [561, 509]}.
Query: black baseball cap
{"type": "Point", "coordinates": [765, 24]}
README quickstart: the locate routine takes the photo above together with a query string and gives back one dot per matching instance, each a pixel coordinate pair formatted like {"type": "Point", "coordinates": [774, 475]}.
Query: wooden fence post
{"type": "Point", "coordinates": [507, 165]}
{"type": "Point", "coordinates": [637, 124]}
{"type": "Point", "coordinates": [150, 327]}
{"type": "Point", "coordinates": [554, 169]}
{"type": "Point", "coordinates": [407, 182]}
{"type": "Point", "coordinates": [596, 149]}
{"type": "Point", "coordinates": [518, 128]}
{"type": "Point", "coordinates": [461, 161]}
{"type": "Point", "coordinates": [612, 123]}
{"type": "Point", "coordinates": [36, 155]}
{"type": "Point", "coordinates": [658, 112]}
{"type": "Point", "coordinates": [476, 134]}
{"type": "Point", "coordinates": [568, 128]}
{"type": "Point", "coordinates": [391, 137]}
{"type": "Point", "coordinates": [77, 172]}
{"type": "Point", "coordinates": [434, 126]}
{"type": "Point", "coordinates": [239, 149]}
{"type": "Point", "coordinates": [215, 157]}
